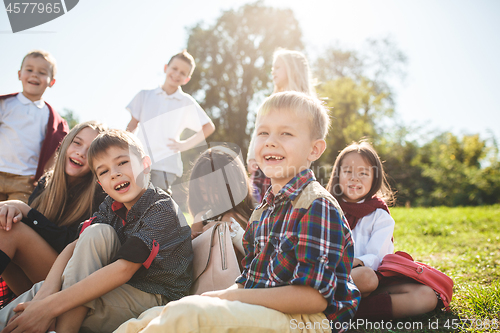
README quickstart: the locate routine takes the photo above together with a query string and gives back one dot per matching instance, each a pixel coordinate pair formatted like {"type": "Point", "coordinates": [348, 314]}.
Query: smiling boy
{"type": "Point", "coordinates": [133, 254]}
{"type": "Point", "coordinates": [163, 114]}
{"type": "Point", "coordinates": [30, 130]}
{"type": "Point", "coordinates": [298, 245]}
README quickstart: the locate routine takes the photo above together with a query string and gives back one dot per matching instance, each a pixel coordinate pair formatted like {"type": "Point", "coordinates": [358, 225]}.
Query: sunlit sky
{"type": "Point", "coordinates": [109, 50]}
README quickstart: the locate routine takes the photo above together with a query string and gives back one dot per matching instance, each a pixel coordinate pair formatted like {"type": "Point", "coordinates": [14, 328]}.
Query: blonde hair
{"type": "Point", "coordinates": [185, 56]}
{"type": "Point", "coordinates": [297, 70]}
{"type": "Point", "coordinates": [45, 55]}
{"type": "Point", "coordinates": [113, 138]}
{"type": "Point", "coordinates": [54, 202]}
{"type": "Point", "coordinates": [299, 103]}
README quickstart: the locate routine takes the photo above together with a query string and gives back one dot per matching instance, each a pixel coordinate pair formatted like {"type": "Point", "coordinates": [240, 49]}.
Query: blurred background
{"type": "Point", "coordinates": [416, 78]}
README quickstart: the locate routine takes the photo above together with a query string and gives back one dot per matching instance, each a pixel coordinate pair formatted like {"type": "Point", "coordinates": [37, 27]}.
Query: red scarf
{"type": "Point", "coordinates": [354, 211]}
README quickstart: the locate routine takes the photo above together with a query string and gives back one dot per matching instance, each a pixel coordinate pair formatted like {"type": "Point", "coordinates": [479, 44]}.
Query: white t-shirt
{"type": "Point", "coordinates": [162, 117]}
{"type": "Point", "coordinates": [373, 238]}
{"type": "Point", "coordinates": [23, 125]}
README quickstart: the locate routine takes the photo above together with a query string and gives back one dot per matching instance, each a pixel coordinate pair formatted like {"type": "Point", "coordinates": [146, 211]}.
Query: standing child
{"type": "Point", "coordinates": [30, 130]}
{"type": "Point", "coordinates": [290, 72]}
{"type": "Point", "coordinates": [133, 254]}
{"type": "Point", "coordinates": [163, 114]}
{"type": "Point", "coordinates": [298, 245]}
{"type": "Point", "coordinates": [359, 183]}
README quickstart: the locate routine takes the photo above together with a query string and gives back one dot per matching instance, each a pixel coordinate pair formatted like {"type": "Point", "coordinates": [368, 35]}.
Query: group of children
{"type": "Point", "coordinates": [132, 256]}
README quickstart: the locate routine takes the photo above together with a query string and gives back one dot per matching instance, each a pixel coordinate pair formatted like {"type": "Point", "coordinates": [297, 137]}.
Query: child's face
{"type": "Point", "coordinates": [120, 173]}
{"type": "Point", "coordinates": [76, 165]}
{"type": "Point", "coordinates": [355, 178]}
{"type": "Point", "coordinates": [280, 77]}
{"type": "Point", "coordinates": [35, 76]}
{"type": "Point", "coordinates": [284, 145]}
{"type": "Point", "coordinates": [177, 73]}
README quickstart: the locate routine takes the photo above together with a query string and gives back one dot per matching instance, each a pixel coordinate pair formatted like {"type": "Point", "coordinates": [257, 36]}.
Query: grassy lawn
{"type": "Point", "coordinates": [464, 243]}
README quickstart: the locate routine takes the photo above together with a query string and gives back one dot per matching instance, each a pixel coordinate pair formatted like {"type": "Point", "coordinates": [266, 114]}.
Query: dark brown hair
{"type": "Point", "coordinates": [113, 138]}
{"type": "Point", "coordinates": [380, 187]}
{"type": "Point", "coordinates": [221, 174]}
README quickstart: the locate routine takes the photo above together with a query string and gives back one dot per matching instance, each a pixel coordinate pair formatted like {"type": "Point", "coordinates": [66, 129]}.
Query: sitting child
{"type": "Point", "coordinates": [219, 190]}
{"type": "Point", "coordinates": [358, 182]}
{"type": "Point", "coordinates": [133, 254]}
{"type": "Point", "coordinates": [298, 245]}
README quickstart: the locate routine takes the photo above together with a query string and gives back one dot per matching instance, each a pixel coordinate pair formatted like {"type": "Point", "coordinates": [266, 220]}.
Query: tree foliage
{"type": "Point", "coordinates": [70, 116]}
{"type": "Point", "coordinates": [460, 171]}
{"type": "Point", "coordinates": [234, 60]}
{"type": "Point", "coordinates": [356, 87]}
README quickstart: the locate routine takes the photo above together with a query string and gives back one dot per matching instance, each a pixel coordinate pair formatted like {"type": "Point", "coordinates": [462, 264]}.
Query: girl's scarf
{"type": "Point", "coordinates": [354, 211]}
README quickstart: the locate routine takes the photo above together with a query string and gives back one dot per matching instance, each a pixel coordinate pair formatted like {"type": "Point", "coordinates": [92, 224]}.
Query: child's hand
{"type": "Point", "coordinates": [34, 317]}
{"type": "Point", "coordinates": [35, 182]}
{"type": "Point", "coordinates": [356, 262]}
{"type": "Point", "coordinates": [9, 214]}
{"type": "Point", "coordinates": [176, 145]}
{"type": "Point", "coordinates": [227, 294]}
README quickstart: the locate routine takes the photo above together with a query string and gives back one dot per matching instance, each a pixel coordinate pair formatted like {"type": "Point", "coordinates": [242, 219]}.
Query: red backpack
{"type": "Point", "coordinates": [402, 264]}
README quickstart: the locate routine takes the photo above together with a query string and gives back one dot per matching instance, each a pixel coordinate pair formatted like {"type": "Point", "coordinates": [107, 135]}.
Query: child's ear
{"type": "Point", "coordinates": [187, 80]}
{"type": "Point", "coordinates": [165, 68]}
{"type": "Point", "coordinates": [318, 148]}
{"type": "Point", "coordinates": [52, 83]}
{"type": "Point", "coordinates": [146, 163]}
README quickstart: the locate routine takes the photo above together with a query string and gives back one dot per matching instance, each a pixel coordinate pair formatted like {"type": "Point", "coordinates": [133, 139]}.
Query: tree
{"type": "Point", "coordinates": [357, 88]}
{"type": "Point", "coordinates": [234, 60]}
{"type": "Point", "coordinates": [464, 171]}
{"type": "Point", "coordinates": [70, 117]}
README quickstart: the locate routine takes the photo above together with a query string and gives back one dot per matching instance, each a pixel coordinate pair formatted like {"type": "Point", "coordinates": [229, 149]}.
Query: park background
{"type": "Point", "coordinates": [417, 78]}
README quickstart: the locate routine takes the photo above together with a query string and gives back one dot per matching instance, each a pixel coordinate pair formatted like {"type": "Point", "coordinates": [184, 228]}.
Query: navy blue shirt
{"type": "Point", "coordinates": [155, 233]}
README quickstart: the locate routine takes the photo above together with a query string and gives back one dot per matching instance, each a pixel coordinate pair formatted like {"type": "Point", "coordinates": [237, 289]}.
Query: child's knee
{"type": "Point", "coordinates": [98, 231]}
{"type": "Point", "coordinates": [427, 297]}
{"type": "Point", "coordinates": [99, 236]}
{"type": "Point", "coordinates": [365, 278]}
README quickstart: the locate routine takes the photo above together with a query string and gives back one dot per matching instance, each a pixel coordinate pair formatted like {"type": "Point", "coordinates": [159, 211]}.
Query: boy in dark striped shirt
{"type": "Point", "coordinates": [133, 254]}
{"type": "Point", "coordinates": [298, 245]}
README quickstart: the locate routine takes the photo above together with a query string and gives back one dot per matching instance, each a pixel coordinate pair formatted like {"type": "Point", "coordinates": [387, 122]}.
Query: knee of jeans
{"type": "Point", "coordinates": [98, 230]}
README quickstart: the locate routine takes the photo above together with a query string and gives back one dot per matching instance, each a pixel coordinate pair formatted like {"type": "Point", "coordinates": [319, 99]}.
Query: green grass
{"type": "Point", "coordinates": [464, 243]}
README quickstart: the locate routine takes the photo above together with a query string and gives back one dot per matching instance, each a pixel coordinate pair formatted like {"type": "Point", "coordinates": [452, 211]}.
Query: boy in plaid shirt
{"type": "Point", "coordinates": [297, 239]}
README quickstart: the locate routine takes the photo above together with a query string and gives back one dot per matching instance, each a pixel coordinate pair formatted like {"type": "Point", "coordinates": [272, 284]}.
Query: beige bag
{"type": "Point", "coordinates": [215, 265]}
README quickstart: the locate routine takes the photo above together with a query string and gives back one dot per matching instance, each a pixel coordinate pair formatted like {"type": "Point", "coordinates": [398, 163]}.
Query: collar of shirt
{"type": "Point", "coordinates": [137, 209]}
{"type": "Point", "coordinates": [291, 190]}
{"type": "Point", "coordinates": [176, 95]}
{"type": "Point", "coordinates": [24, 100]}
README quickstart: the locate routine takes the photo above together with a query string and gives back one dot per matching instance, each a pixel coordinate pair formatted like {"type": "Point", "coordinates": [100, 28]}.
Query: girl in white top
{"type": "Point", "coordinates": [358, 182]}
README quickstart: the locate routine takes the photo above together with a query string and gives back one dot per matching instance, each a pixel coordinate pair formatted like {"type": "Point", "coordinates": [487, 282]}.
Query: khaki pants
{"type": "Point", "coordinates": [95, 248]}
{"type": "Point", "coordinates": [208, 314]}
{"type": "Point", "coordinates": [15, 187]}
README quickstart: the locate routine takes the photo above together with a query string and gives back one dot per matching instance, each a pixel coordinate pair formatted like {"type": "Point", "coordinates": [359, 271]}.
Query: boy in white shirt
{"type": "Point", "coordinates": [163, 114]}
{"type": "Point", "coordinates": [30, 130]}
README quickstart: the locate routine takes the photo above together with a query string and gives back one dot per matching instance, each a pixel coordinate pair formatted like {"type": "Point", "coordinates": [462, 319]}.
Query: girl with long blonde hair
{"type": "Point", "coordinates": [64, 197]}
{"type": "Point", "coordinates": [291, 72]}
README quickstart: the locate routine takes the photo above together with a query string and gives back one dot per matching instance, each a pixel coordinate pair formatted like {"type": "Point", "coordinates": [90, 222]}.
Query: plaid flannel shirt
{"type": "Point", "coordinates": [302, 246]}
